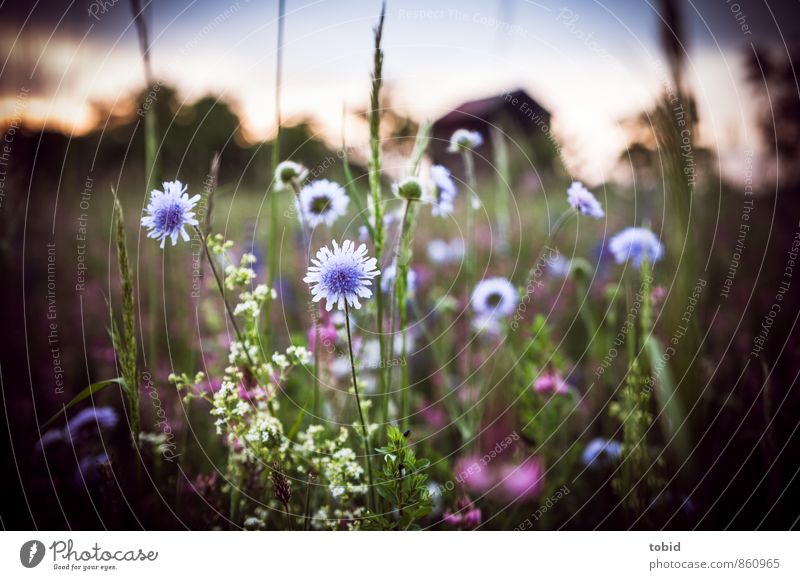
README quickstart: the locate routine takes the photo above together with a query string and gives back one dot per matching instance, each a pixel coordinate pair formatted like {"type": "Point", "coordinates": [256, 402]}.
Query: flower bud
{"type": "Point", "coordinates": [288, 171]}
{"type": "Point", "coordinates": [410, 188]}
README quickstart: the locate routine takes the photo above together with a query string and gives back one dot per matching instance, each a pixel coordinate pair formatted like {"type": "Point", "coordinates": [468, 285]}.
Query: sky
{"type": "Point", "coordinates": [592, 64]}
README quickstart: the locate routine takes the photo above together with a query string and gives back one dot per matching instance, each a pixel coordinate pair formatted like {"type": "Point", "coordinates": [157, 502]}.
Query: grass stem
{"type": "Point", "coordinates": [376, 207]}
{"type": "Point", "coordinates": [272, 256]}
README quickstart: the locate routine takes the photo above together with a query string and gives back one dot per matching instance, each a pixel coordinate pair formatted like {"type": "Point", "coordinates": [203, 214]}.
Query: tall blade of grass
{"type": "Point", "coordinates": [375, 192]}
{"type": "Point", "coordinates": [276, 154]}
{"type": "Point", "coordinates": [296, 425]}
{"type": "Point", "coordinates": [125, 344]}
{"type": "Point", "coordinates": [151, 160]}
{"type": "Point", "coordinates": [421, 143]}
{"type": "Point", "coordinates": [637, 481]}
{"type": "Point", "coordinates": [375, 136]}
{"type": "Point", "coordinates": [150, 118]}
{"type": "Point", "coordinates": [141, 31]}
{"type": "Point", "coordinates": [151, 165]}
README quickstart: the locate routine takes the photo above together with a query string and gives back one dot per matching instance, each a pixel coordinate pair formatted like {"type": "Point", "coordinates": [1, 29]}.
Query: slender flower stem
{"type": "Point", "coordinates": [276, 147]}
{"type": "Point", "coordinates": [306, 239]}
{"type": "Point", "coordinates": [307, 504]}
{"type": "Point", "coordinates": [315, 401]}
{"type": "Point", "coordinates": [388, 354]}
{"type": "Point", "coordinates": [401, 291]}
{"type": "Point", "coordinates": [367, 459]}
{"type": "Point", "coordinates": [151, 164]}
{"type": "Point", "coordinates": [470, 252]}
{"type": "Point", "coordinates": [470, 247]}
{"type": "Point", "coordinates": [405, 394]}
{"type": "Point", "coordinates": [307, 245]}
{"type": "Point", "coordinates": [383, 374]}
{"type": "Point", "coordinates": [210, 187]}
{"type": "Point", "coordinates": [233, 479]}
{"type": "Point", "coordinates": [560, 221]}
{"type": "Point", "coordinates": [221, 287]}
{"type": "Point", "coordinates": [272, 266]}
{"type": "Point", "coordinates": [288, 517]}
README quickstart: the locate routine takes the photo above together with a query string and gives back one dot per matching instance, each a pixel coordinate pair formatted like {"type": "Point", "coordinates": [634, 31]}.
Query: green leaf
{"type": "Point", "coordinates": [422, 511]}
{"type": "Point", "coordinates": [296, 425]}
{"type": "Point", "coordinates": [84, 394]}
{"type": "Point", "coordinates": [385, 493]}
{"type": "Point", "coordinates": [672, 413]}
{"type": "Point", "coordinates": [420, 145]}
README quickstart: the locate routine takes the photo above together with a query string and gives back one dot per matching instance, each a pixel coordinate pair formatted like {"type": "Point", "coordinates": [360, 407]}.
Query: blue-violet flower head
{"type": "Point", "coordinates": [169, 212]}
{"type": "Point", "coordinates": [636, 244]}
{"type": "Point", "coordinates": [341, 275]}
{"type": "Point", "coordinates": [584, 200]}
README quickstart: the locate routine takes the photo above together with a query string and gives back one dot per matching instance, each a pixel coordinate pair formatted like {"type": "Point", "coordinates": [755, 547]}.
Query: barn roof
{"type": "Point", "coordinates": [489, 107]}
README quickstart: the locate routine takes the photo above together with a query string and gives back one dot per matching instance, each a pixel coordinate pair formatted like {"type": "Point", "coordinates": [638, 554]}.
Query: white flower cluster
{"type": "Point", "coordinates": [264, 436]}
{"type": "Point", "coordinates": [237, 353]}
{"type": "Point", "coordinates": [241, 276]}
{"type": "Point", "coordinates": [251, 303]}
{"type": "Point", "coordinates": [293, 356]}
{"type": "Point", "coordinates": [280, 361]}
{"type": "Point", "coordinates": [218, 245]}
{"type": "Point", "coordinates": [258, 519]}
{"type": "Point", "coordinates": [250, 424]}
{"type": "Point", "coordinates": [326, 519]}
{"type": "Point", "coordinates": [341, 470]}
{"type": "Point", "coordinates": [228, 407]}
{"type": "Point", "coordinates": [298, 355]}
{"type": "Point", "coordinates": [255, 523]}
{"type": "Point", "coordinates": [240, 354]}
{"type": "Point", "coordinates": [336, 464]}
{"type": "Point", "coordinates": [247, 418]}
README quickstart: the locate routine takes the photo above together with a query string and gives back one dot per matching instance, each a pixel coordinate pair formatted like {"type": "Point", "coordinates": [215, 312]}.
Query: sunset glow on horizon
{"type": "Point", "coordinates": [588, 68]}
